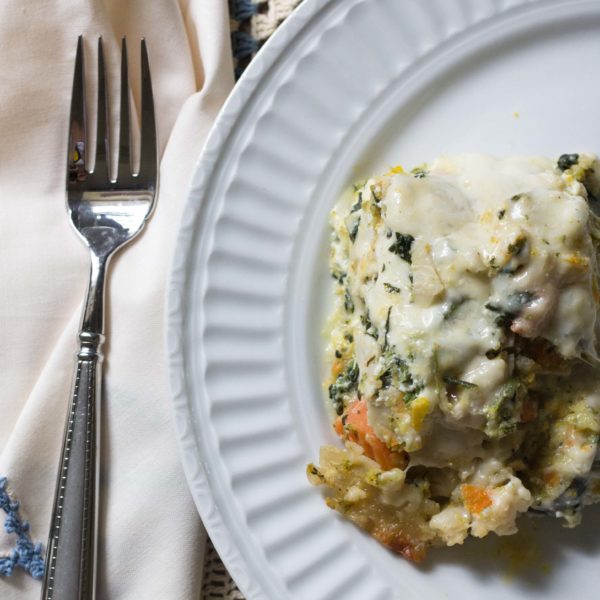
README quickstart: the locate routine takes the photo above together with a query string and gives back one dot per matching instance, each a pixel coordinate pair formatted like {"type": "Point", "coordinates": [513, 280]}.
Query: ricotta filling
{"type": "Point", "coordinates": [465, 327]}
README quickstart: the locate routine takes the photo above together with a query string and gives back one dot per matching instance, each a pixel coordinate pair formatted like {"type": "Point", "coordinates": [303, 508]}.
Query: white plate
{"type": "Point", "coordinates": [347, 87]}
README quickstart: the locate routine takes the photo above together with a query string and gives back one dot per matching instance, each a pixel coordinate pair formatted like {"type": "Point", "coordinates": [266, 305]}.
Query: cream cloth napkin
{"type": "Point", "coordinates": [151, 539]}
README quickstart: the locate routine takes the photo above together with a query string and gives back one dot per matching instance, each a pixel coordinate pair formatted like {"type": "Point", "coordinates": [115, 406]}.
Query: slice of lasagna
{"type": "Point", "coordinates": [463, 348]}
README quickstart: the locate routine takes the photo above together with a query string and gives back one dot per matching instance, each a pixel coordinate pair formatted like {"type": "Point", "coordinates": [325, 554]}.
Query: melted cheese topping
{"type": "Point", "coordinates": [466, 321]}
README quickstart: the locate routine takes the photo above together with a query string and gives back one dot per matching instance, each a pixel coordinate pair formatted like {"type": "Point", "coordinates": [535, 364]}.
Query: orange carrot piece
{"type": "Point", "coordinates": [338, 426]}
{"type": "Point", "coordinates": [476, 498]}
{"type": "Point", "coordinates": [359, 431]}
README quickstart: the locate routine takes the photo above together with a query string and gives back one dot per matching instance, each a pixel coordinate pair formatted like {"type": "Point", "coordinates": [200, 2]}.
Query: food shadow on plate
{"type": "Point", "coordinates": [531, 558]}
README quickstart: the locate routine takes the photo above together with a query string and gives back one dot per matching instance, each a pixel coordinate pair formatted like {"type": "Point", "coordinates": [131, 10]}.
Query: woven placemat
{"type": "Point", "coordinates": [252, 23]}
{"type": "Point", "coordinates": [217, 584]}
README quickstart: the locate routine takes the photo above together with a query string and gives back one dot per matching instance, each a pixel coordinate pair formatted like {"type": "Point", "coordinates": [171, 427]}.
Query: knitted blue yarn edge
{"type": "Point", "coordinates": [25, 554]}
{"type": "Point", "coordinates": [242, 10]}
{"type": "Point", "coordinates": [243, 44]}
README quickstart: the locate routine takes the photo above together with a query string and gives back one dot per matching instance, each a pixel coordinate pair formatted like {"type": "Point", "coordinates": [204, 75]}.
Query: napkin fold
{"type": "Point", "coordinates": [151, 539]}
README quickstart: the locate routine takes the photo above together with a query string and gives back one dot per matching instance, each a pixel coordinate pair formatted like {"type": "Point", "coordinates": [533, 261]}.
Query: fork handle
{"type": "Point", "coordinates": [70, 565]}
{"type": "Point", "coordinates": [70, 556]}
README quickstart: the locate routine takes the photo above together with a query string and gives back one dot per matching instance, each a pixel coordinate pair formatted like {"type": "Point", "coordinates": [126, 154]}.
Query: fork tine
{"type": "Point", "coordinates": [101, 168]}
{"type": "Point", "coordinates": [148, 151]}
{"type": "Point", "coordinates": [77, 123]}
{"type": "Point", "coordinates": [124, 169]}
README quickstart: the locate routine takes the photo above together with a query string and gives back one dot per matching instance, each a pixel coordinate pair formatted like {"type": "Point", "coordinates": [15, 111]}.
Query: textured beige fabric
{"type": "Point", "coordinates": [217, 583]}
{"type": "Point", "coordinates": [265, 23]}
{"type": "Point", "coordinates": [151, 542]}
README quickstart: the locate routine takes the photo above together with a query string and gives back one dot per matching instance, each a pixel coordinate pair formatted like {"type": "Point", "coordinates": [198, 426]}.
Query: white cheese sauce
{"type": "Point", "coordinates": [466, 319]}
{"type": "Point", "coordinates": [487, 238]}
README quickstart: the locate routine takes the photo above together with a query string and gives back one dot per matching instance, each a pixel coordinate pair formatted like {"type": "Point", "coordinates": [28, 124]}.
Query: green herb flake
{"type": "Point", "coordinates": [511, 308]}
{"type": "Point", "coordinates": [517, 246]}
{"type": "Point", "coordinates": [449, 380]}
{"type": "Point", "coordinates": [353, 231]}
{"type": "Point", "coordinates": [503, 415]}
{"type": "Point", "coordinates": [419, 173]}
{"type": "Point", "coordinates": [566, 161]}
{"type": "Point", "coordinates": [392, 289]}
{"type": "Point", "coordinates": [387, 329]}
{"type": "Point", "coordinates": [358, 204]}
{"type": "Point", "coordinates": [339, 276]}
{"type": "Point", "coordinates": [348, 302]}
{"type": "Point", "coordinates": [376, 193]}
{"type": "Point", "coordinates": [344, 387]}
{"type": "Point", "coordinates": [452, 306]}
{"type": "Point", "coordinates": [501, 214]}
{"type": "Point", "coordinates": [517, 301]}
{"type": "Point", "coordinates": [397, 375]}
{"type": "Point", "coordinates": [370, 329]}
{"type": "Point", "coordinates": [403, 246]}
{"type": "Point", "coordinates": [503, 319]}
{"type": "Point", "coordinates": [411, 395]}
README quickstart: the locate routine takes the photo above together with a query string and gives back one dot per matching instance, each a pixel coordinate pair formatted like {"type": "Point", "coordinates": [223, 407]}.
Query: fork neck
{"type": "Point", "coordinates": [91, 333]}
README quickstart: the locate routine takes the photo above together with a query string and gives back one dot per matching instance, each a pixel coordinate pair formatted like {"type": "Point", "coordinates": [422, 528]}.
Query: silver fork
{"type": "Point", "coordinates": [106, 213]}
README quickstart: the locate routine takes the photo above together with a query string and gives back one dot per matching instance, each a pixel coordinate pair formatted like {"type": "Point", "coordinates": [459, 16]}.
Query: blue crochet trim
{"type": "Point", "coordinates": [243, 44]}
{"type": "Point", "coordinates": [25, 554]}
{"type": "Point", "coordinates": [242, 9]}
